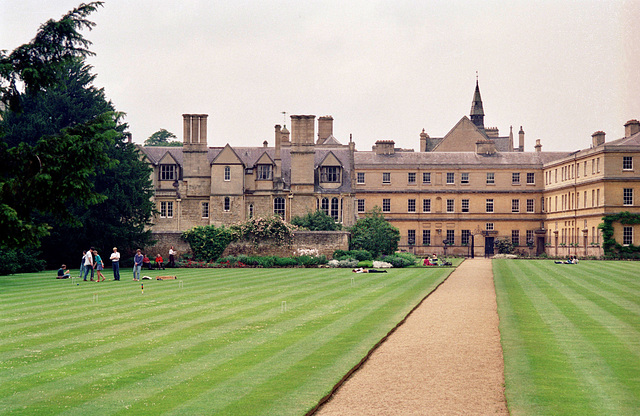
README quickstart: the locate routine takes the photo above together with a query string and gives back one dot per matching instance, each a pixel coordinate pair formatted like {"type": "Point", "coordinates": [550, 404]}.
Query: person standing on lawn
{"type": "Point", "coordinates": [172, 260]}
{"type": "Point", "coordinates": [99, 265]}
{"type": "Point", "coordinates": [115, 263]}
{"type": "Point", "coordinates": [137, 264]}
{"type": "Point", "coordinates": [88, 264]}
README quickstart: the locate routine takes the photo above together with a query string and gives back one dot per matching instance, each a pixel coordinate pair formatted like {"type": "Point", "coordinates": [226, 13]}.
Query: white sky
{"type": "Point", "coordinates": [382, 69]}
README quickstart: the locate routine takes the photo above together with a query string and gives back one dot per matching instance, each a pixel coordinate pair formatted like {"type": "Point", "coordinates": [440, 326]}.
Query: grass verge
{"type": "Point", "coordinates": [224, 341]}
{"type": "Point", "coordinates": [570, 336]}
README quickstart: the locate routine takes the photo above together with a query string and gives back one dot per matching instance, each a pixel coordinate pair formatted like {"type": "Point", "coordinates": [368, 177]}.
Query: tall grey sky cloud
{"type": "Point", "coordinates": [383, 69]}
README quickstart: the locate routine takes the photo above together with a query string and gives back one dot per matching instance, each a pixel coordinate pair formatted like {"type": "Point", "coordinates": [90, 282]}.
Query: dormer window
{"type": "Point", "coordinates": [330, 174]}
{"type": "Point", "coordinates": [264, 172]}
{"type": "Point", "coordinates": [168, 172]}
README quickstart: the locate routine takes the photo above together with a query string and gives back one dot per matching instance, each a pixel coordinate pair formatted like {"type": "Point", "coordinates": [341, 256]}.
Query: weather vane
{"type": "Point", "coordinates": [284, 117]}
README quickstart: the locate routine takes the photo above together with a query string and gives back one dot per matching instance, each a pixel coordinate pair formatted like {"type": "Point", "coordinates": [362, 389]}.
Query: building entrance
{"type": "Point", "coordinates": [488, 246]}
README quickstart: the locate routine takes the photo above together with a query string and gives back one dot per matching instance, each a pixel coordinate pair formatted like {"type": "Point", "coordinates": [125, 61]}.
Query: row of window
{"type": "Point", "coordinates": [166, 207]}
{"type": "Point", "coordinates": [465, 236]}
{"type": "Point", "coordinates": [570, 200]}
{"type": "Point", "coordinates": [450, 205]}
{"type": "Point", "coordinates": [572, 171]}
{"type": "Point", "coordinates": [451, 178]}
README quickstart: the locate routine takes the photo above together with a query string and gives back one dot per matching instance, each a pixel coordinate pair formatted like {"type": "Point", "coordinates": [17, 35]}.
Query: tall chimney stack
{"type": "Point", "coordinates": [597, 138]}
{"type": "Point", "coordinates": [631, 127]}
{"type": "Point", "coordinates": [325, 128]}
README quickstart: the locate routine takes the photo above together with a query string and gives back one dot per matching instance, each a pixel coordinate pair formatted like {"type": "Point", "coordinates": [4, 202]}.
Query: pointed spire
{"type": "Point", "coordinates": [477, 112]}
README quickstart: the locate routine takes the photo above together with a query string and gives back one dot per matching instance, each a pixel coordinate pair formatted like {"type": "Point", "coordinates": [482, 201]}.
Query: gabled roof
{"type": "Point", "coordinates": [155, 153]}
{"type": "Point", "coordinates": [456, 132]}
{"type": "Point", "coordinates": [227, 152]}
{"type": "Point", "coordinates": [331, 140]}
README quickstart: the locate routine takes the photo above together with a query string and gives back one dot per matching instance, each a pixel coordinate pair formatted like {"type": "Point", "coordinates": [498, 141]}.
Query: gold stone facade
{"type": "Point", "coordinates": [467, 188]}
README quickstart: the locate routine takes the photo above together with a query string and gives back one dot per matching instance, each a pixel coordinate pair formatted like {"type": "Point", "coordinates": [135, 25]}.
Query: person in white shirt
{"type": "Point", "coordinates": [115, 263]}
{"type": "Point", "coordinates": [172, 260]}
{"type": "Point", "coordinates": [88, 264]}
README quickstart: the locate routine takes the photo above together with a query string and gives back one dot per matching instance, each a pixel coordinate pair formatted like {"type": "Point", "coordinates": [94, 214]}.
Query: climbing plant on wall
{"type": "Point", "coordinates": [611, 247]}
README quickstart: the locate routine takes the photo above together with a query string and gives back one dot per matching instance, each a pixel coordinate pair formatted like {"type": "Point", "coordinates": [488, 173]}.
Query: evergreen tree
{"type": "Point", "coordinates": [162, 138]}
{"type": "Point", "coordinates": [374, 234]}
{"type": "Point", "coordinates": [83, 183]}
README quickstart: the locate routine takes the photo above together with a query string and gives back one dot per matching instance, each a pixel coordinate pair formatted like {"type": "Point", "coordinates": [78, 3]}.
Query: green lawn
{"type": "Point", "coordinates": [571, 336]}
{"type": "Point", "coordinates": [222, 343]}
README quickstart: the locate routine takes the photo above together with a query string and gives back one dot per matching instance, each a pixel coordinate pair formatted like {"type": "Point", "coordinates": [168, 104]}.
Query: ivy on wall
{"type": "Point", "coordinates": [611, 247]}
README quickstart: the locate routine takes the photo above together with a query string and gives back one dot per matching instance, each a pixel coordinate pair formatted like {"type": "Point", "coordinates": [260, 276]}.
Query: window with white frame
{"type": "Point", "coordinates": [166, 209]}
{"type": "Point", "coordinates": [426, 205]}
{"type": "Point", "coordinates": [264, 172]}
{"type": "Point", "coordinates": [330, 174]}
{"type": "Point", "coordinates": [361, 205]}
{"type": "Point", "coordinates": [205, 210]}
{"type": "Point", "coordinates": [515, 237]}
{"type": "Point", "coordinates": [515, 205]}
{"type": "Point", "coordinates": [450, 205]}
{"type": "Point", "coordinates": [411, 177]}
{"type": "Point", "coordinates": [627, 235]}
{"type": "Point", "coordinates": [386, 177]}
{"type": "Point", "coordinates": [411, 237]}
{"type": "Point", "coordinates": [465, 205]}
{"type": "Point", "coordinates": [386, 205]}
{"type": "Point", "coordinates": [530, 205]}
{"type": "Point", "coordinates": [530, 239]}
{"type": "Point", "coordinates": [464, 178]}
{"type": "Point", "coordinates": [227, 204]}
{"type": "Point", "coordinates": [279, 206]}
{"type": "Point", "coordinates": [491, 178]}
{"type": "Point", "coordinates": [227, 173]}
{"type": "Point", "coordinates": [426, 177]}
{"type": "Point", "coordinates": [426, 237]}
{"type": "Point", "coordinates": [168, 172]}
{"type": "Point", "coordinates": [531, 178]}
{"type": "Point", "coordinates": [335, 209]}
{"type": "Point", "coordinates": [464, 238]}
{"type": "Point", "coordinates": [360, 177]}
{"type": "Point", "coordinates": [489, 205]}
{"type": "Point", "coordinates": [515, 178]}
{"type": "Point", "coordinates": [451, 237]}
{"type": "Point", "coordinates": [488, 226]}
{"type": "Point", "coordinates": [451, 178]}
{"type": "Point", "coordinates": [324, 205]}
{"type": "Point", "coordinates": [411, 205]}
{"type": "Point", "coordinates": [627, 162]}
{"type": "Point", "coordinates": [627, 196]}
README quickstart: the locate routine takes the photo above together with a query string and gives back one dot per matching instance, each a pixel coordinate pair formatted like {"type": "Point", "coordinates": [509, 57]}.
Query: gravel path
{"type": "Point", "coordinates": [446, 359]}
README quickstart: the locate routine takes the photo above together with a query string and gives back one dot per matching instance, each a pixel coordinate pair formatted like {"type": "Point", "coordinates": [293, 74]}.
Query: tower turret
{"type": "Point", "coordinates": [477, 112]}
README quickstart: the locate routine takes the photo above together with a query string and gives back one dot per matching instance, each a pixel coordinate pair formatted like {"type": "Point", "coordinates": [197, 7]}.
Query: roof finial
{"type": "Point", "coordinates": [284, 118]}
{"type": "Point", "coordinates": [476, 77]}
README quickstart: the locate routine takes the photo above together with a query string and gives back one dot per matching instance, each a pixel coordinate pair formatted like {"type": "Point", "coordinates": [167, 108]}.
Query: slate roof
{"type": "Point", "coordinates": [456, 159]}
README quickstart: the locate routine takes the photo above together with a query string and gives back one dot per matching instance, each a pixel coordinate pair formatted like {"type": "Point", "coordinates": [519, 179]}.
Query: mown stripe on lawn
{"type": "Point", "coordinates": [595, 328]}
{"type": "Point", "coordinates": [113, 374]}
{"type": "Point", "coordinates": [130, 348]}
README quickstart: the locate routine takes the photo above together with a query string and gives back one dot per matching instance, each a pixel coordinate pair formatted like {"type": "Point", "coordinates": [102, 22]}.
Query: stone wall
{"type": "Point", "coordinates": [164, 241]}
{"type": "Point", "coordinates": [326, 242]}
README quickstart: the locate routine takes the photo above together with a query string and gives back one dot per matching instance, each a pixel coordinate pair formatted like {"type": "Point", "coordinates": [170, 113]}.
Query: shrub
{"type": "Point", "coordinates": [360, 255]}
{"type": "Point", "coordinates": [20, 261]}
{"type": "Point", "coordinates": [504, 245]}
{"type": "Point", "coordinates": [398, 261]}
{"type": "Point", "coordinates": [374, 234]}
{"type": "Point", "coordinates": [258, 229]}
{"type": "Point", "coordinates": [408, 256]}
{"type": "Point", "coordinates": [365, 263]}
{"type": "Point", "coordinates": [316, 221]}
{"type": "Point", "coordinates": [208, 242]}
{"type": "Point", "coordinates": [285, 261]}
{"type": "Point", "coordinates": [348, 263]}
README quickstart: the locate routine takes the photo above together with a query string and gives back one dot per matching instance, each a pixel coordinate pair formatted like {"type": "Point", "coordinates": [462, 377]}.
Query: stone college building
{"type": "Point", "coordinates": [462, 191]}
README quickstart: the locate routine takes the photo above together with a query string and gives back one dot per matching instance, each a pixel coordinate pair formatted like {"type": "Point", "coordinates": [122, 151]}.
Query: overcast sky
{"type": "Point", "coordinates": [382, 69]}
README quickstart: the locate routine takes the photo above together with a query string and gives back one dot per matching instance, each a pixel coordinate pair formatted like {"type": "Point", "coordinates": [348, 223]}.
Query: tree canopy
{"type": "Point", "coordinates": [162, 138]}
{"type": "Point", "coordinates": [374, 234]}
{"type": "Point", "coordinates": [69, 176]}
{"type": "Point", "coordinates": [316, 221]}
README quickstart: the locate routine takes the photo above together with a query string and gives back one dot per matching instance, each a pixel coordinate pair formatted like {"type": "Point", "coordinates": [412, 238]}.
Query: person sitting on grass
{"type": "Point", "coordinates": [159, 262]}
{"type": "Point", "coordinates": [63, 273]}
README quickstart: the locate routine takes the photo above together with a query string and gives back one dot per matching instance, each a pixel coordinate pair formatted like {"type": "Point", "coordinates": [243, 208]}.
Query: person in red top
{"type": "Point", "coordinates": [159, 262]}
{"type": "Point", "coordinates": [146, 263]}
